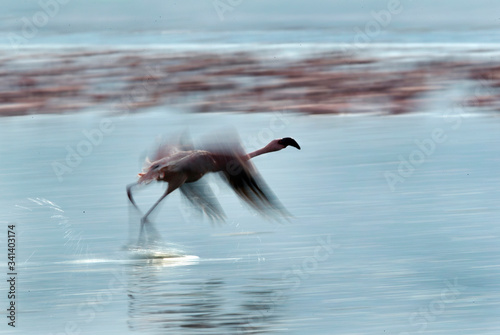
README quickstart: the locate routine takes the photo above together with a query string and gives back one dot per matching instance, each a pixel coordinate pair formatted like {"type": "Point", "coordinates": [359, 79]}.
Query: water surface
{"type": "Point", "coordinates": [357, 258]}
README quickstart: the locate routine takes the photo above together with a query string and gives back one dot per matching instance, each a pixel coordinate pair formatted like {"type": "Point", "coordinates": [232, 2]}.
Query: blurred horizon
{"type": "Point", "coordinates": [411, 21]}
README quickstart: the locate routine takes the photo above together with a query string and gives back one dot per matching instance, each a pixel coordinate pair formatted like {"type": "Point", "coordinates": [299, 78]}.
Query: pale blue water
{"type": "Point", "coordinates": [358, 258]}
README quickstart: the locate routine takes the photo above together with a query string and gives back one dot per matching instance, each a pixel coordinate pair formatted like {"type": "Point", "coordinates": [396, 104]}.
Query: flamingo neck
{"type": "Point", "coordinates": [258, 152]}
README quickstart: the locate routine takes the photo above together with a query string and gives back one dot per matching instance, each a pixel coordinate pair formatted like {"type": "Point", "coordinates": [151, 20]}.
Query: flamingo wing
{"type": "Point", "coordinates": [247, 183]}
{"type": "Point", "coordinates": [242, 176]}
{"type": "Point", "coordinates": [200, 195]}
{"type": "Point", "coordinates": [166, 152]}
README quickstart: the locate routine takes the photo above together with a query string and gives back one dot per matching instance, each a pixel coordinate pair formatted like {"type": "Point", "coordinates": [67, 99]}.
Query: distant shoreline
{"type": "Point", "coordinates": [324, 82]}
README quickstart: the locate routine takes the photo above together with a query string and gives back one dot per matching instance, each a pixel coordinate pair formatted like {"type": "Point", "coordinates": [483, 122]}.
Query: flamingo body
{"type": "Point", "coordinates": [183, 167]}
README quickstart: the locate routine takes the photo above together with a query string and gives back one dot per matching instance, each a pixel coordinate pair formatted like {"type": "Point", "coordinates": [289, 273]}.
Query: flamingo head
{"type": "Point", "coordinates": [286, 141]}
{"type": "Point", "coordinates": [279, 144]}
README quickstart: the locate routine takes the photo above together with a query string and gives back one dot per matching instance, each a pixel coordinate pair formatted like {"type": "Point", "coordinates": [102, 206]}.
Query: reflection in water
{"type": "Point", "coordinates": [159, 298]}
{"type": "Point", "coordinates": [146, 235]}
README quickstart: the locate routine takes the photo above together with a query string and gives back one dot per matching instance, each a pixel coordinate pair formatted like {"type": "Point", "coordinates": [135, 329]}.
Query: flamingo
{"type": "Point", "coordinates": [182, 167]}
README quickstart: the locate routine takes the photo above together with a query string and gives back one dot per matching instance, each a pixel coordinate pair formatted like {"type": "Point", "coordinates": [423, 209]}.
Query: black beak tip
{"type": "Point", "coordinates": [295, 145]}
{"type": "Point", "coordinates": [290, 141]}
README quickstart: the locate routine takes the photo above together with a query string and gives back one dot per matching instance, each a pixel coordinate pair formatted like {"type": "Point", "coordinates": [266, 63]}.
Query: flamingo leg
{"type": "Point", "coordinates": [172, 186]}
{"type": "Point", "coordinates": [129, 194]}
{"type": "Point", "coordinates": [144, 219]}
{"type": "Point", "coordinates": [132, 201]}
{"type": "Point", "coordinates": [151, 232]}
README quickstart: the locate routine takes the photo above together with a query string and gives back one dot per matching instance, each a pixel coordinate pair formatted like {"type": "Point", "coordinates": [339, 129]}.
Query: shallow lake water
{"type": "Point", "coordinates": [394, 230]}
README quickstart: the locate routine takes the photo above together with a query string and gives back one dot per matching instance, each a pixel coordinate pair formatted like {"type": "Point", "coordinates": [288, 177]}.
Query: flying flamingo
{"type": "Point", "coordinates": [182, 167]}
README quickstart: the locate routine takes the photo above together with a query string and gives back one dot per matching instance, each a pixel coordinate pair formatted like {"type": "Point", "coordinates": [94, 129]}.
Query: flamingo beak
{"type": "Point", "coordinates": [286, 141]}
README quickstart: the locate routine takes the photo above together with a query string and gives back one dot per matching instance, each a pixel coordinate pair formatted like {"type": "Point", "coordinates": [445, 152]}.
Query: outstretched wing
{"type": "Point", "coordinates": [244, 178]}
{"type": "Point", "coordinates": [200, 195]}
{"type": "Point", "coordinates": [168, 147]}
{"type": "Point", "coordinates": [165, 152]}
